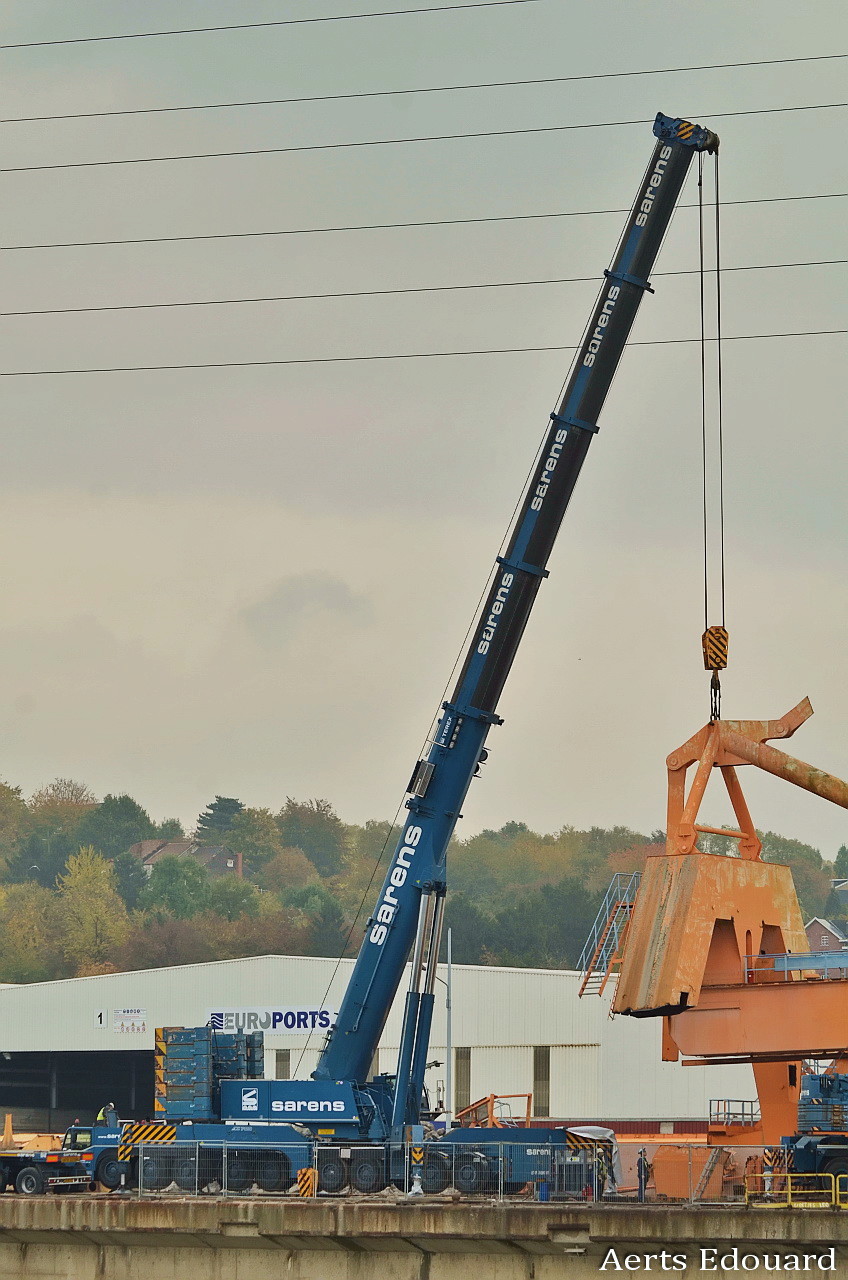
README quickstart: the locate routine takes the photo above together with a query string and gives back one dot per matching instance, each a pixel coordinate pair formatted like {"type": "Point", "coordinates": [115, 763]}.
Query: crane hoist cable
{"type": "Point", "coordinates": [714, 641]}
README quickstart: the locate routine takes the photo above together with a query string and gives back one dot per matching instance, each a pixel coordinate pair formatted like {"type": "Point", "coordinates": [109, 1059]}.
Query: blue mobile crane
{"type": "Point", "coordinates": [410, 908]}
{"type": "Point", "coordinates": [377, 1118]}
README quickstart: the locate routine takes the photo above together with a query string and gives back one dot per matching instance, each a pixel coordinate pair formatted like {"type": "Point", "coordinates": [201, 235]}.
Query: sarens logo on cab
{"type": "Point", "coordinates": [277, 1020]}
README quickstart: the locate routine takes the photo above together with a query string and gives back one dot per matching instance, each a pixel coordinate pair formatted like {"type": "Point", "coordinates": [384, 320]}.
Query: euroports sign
{"type": "Point", "coordinates": [280, 1021]}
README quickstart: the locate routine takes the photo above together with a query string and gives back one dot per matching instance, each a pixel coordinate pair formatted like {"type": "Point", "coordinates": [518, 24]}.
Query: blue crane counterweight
{"type": "Point", "coordinates": [409, 912]}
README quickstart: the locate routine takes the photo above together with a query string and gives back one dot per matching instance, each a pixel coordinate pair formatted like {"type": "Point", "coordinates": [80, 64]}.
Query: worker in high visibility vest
{"type": "Point", "coordinates": [108, 1116]}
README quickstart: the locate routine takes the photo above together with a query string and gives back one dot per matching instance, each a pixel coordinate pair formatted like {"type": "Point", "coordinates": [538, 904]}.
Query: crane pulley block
{"type": "Point", "coordinates": [714, 642]}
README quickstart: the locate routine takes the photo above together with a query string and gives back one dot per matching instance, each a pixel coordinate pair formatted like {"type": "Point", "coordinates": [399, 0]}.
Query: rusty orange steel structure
{"type": "Point", "coordinates": [705, 929]}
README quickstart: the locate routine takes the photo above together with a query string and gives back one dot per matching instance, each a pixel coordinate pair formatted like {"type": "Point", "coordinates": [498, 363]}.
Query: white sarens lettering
{"type": "Point", "coordinates": [289, 1105]}
{"type": "Point", "coordinates": [645, 207]}
{"type": "Point", "coordinates": [397, 878]}
{"type": "Point", "coordinates": [651, 190]}
{"type": "Point", "coordinates": [490, 625]}
{"type": "Point", "coordinates": [601, 325]}
{"type": "Point", "coordinates": [548, 469]}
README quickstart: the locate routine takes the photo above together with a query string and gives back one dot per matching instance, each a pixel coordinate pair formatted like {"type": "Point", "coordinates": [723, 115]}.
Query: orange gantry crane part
{"type": "Point", "coordinates": [716, 944]}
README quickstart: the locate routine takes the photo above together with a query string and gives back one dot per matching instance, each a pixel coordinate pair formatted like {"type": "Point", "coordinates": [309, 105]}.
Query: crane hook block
{"type": "Point", "coordinates": [714, 642]}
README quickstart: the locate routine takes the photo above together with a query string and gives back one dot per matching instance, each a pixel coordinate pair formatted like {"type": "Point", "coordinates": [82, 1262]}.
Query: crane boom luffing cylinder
{"type": "Point", "coordinates": [409, 911]}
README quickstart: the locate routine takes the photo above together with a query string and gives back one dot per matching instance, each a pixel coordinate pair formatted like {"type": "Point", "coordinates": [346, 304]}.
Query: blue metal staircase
{"type": "Point", "coordinates": [601, 956]}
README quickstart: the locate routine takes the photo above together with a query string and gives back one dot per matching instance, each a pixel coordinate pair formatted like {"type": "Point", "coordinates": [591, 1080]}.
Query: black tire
{"type": "Point", "coordinates": [185, 1173]}
{"type": "Point", "coordinates": [273, 1172]}
{"type": "Point", "coordinates": [30, 1181]}
{"type": "Point", "coordinates": [366, 1173]}
{"type": "Point", "coordinates": [838, 1166]}
{"type": "Point", "coordinates": [238, 1173]}
{"type": "Point", "coordinates": [109, 1170]}
{"type": "Point", "coordinates": [436, 1175]}
{"type": "Point", "coordinates": [332, 1174]}
{"type": "Point", "coordinates": [5, 1177]}
{"type": "Point", "coordinates": [158, 1170]}
{"type": "Point", "coordinates": [468, 1175]}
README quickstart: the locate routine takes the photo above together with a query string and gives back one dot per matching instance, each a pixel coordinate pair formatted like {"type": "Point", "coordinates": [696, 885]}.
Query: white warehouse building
{"type": "Point", "coordinates": [67, 1047]}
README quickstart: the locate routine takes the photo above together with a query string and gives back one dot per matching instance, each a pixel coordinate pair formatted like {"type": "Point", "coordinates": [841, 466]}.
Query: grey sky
{"type": "Point", "coordinates": [256, 580]}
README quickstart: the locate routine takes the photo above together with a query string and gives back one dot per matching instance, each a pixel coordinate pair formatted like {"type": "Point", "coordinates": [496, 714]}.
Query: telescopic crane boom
{"type": "Point", "coordinates": [409, 911]}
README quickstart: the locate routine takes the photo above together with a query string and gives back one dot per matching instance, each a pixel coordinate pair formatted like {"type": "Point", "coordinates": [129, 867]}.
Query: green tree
{"type": "Point", "coordinates": [41, 857]}
{"type": "Point", "coordinates": [13, 819]}
{"type": "Point", "coordinates": [217, 819]}
{"type": "Point", "coordinates": [130, 878]}
{"type": "Point", "coordinates": [116, 824]}
{"type": "Point", "coordinates": [365, 848]}
{"type": "Point", "coordinates": [255, 835]}
{"type": "Point", "coordinates": [314, 827]}
{"type": "Point", "coordinates": [840, 866]}
{"type": "Point", "coordinates": [231, 897]}
{"type": "Point", "coordinates": [327, 932]}
{"type": "Point", "coordinates": [92, 918]}
{"type": "Point", "coordinates": [547, 928]}
{"type": "Point", "coordinates": [169, 829]}
{"type": "Point", "coordinates": [178, 886]}
{"type": "Point", "coordinates": [472, 930]}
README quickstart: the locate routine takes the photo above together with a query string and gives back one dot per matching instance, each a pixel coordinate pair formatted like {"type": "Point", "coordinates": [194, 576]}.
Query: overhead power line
{"type": "Point", "coordinates": [280, 22]}
{"type": "Point", "coordinates": [392, 226]}
{"type": "Point", "coordinates": [393, 93]}
{"type": "Point", "coordinates": [401, 355]}
{"type": "Point", "coordinates": [397, 142]}
{"type": "Point", "coordinates": [385, 293]}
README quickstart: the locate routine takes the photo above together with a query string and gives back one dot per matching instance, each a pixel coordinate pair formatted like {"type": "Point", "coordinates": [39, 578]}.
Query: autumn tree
{"type": "Point", "coordinates": [366, 848]}
{"type": "Point", "coordinates": [178, 886]}
{"type": "Point", "coordinates": [62, 793]}
{"type": "Point", "coordinates": [114, 825]}
{"type": "Point", "coordinates": [231, 897]}
{"type": "Point", "coordinates": [28, 912]}
{"type": "Point", "coordinates": [812, 882]}
{"type": "Point", "coordinates": [287, 870]}
{"type": "Point", "coordinates": [315, 827]}
{"type": "Point", "coordinates": [217, 819]}
{"type": "Point", "coordinates": [92, 918]}
{"type": "Point", "coordinates": [54, 813]}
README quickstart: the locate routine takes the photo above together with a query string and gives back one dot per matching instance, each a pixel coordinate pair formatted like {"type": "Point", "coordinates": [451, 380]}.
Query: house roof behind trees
{"type": "Point", "coordinates": [218, 859]}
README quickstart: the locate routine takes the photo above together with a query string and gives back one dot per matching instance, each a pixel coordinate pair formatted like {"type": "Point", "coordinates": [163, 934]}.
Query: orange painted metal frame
{"type": "Point", "coordinates": [699, 918]}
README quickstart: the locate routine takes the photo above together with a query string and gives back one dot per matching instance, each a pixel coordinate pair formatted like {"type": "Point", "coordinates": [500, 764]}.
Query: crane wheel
{"type": "Point", "coordinates": [469, 1174]}
{"type": "Point", "coordinates": [273, 1172]}
{"type": "Point", "coordinates": [238, 1173]}
{"type": "Point", "coordinates": [366, 1173]}
{"type": "Point", "coordinates": [109, 1170]}
{"type": "Point", "coordinates": [332, 1173]}
{"type": "Point", "coordinates": [436, 1175]}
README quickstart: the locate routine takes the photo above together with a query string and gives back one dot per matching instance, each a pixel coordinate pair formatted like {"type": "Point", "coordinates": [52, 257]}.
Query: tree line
{"type": "Point", "coordinates": [74, 900]}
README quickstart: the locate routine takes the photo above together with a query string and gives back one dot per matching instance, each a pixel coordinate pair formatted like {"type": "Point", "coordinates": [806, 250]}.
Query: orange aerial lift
{"type": "Point", "coordinates": [715, 945]}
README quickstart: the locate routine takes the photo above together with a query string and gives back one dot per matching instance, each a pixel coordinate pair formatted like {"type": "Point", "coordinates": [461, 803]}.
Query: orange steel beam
{"type": "Point", "coordinates": [786, 767]}
{"type": "Point", "coordinates": [807, 1018]}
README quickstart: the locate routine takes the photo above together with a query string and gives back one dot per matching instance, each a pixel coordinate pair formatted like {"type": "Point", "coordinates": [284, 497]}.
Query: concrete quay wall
{"type": "Point", "coordinates": [116, 1238]}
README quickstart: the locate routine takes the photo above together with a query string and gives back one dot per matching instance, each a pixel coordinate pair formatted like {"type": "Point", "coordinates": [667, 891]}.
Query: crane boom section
{"type": "Point", "coordinates": [441, 781]}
